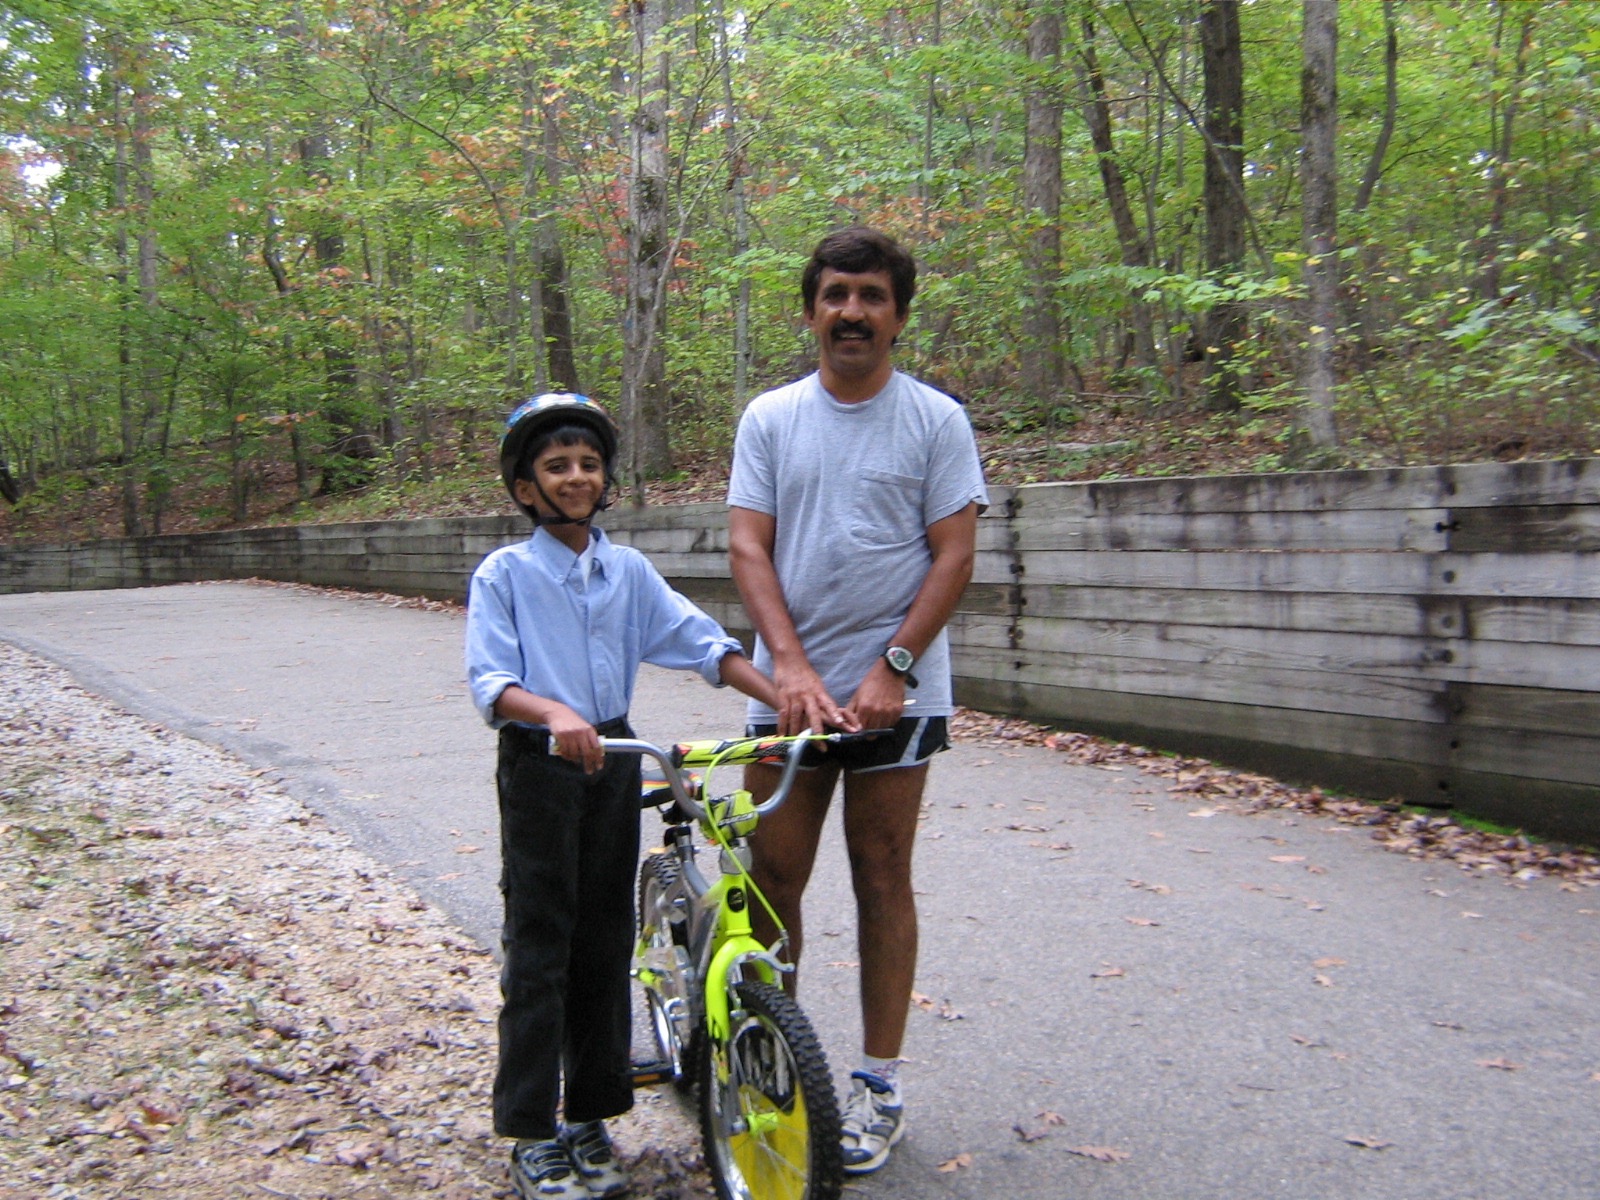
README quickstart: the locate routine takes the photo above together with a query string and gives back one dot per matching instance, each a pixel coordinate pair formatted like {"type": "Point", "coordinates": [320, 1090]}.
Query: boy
{"type": "Point", "coordinates": [556, 629]}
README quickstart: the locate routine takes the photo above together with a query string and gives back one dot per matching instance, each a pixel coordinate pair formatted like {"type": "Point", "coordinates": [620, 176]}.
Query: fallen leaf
{"type": "Point", "coordinates": [468, 849]}
{"type": "Point", "coordinates": [1107, 971]}
{"type": "Point", "coordinates": [1472, 916]}
{"type": "Point", "coordinates": [947, 1013]}
{"type": "Point", "coordinates": [1323, 980]}
{"type": "Point", "coordinates": [1145, 922]}
{"type": "Point", "coordinates": [1499, 1064]}
{"type": "Point", "coordinates": [1028, 1135]}
{"type": "Point", "coordinates": [1109, 1154]}
{"type": "Point", "coordinates": [1050, 1117]}
{"type": "Point", "coordinates": [956, 1163]}
{"type": "Point", "coordinates": [923, 1002]}
{"type": "Point", "coordinates": [1368, 1143]}
{"type": "Point", "coordinates": [1328, 962]}
{"type": "Point", "coordinates": [1288, 858]}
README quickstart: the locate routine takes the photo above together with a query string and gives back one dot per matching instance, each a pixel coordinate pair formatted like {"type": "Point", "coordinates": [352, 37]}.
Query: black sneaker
{"type": "Point", "coordinates": [545, 1171]}
{"type": "Point", "coordinates": [595, 1160]}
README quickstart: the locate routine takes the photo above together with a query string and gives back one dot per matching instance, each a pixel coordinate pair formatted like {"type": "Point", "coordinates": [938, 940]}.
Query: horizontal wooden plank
{"type": "Point", "coordinates": [1193, 649]}
{"type": "Point", "coordinates": [1171, 722]}
{"type": "Point", "coordinates": [1423, 530]}
{"type": "Point", "coordinates": [1427, 616]}
{"type": "Point", "coordinates": [1397, 698]}
{"type": "Point", "coordinates": [1474, 485]}
{"type": "Point", "coordinates": [1526, 529]}
{"type": "Point", "coordinates": [1559, 576]}
{"type": "Point", "coordinates": [1530, 709]}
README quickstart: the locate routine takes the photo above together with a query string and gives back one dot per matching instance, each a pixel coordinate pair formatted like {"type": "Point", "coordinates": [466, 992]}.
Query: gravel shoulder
{"type": "Point", "coordinates": [208, 992]}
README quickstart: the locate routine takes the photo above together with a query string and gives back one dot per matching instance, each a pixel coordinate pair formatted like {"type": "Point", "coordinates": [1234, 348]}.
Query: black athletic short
{"type": "Point", "coordinates": [912, 742]}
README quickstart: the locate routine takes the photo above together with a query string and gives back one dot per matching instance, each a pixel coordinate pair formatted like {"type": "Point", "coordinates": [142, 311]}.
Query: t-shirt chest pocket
{"type": "Point", "coordinates": [887, 509]}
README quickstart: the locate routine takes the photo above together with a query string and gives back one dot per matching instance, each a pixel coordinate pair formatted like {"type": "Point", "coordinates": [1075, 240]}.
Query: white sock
{"type": "Point", "coordinates": [886, 1069]}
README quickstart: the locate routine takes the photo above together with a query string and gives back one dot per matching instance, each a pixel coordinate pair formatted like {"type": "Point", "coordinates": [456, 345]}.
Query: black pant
{"type": "Point", "coordinates": [569, 843]}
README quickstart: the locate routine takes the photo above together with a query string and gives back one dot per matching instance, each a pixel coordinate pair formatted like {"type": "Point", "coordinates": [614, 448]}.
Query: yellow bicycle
{"type": "Point", "coordinates": [721, 1021]}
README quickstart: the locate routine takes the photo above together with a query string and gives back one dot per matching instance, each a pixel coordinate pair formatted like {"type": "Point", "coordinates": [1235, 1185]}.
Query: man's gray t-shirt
{"type": "Point", "coordinates": [854, 488]}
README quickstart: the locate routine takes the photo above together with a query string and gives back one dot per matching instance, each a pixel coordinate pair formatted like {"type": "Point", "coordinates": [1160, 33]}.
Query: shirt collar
{"type": "Point", "coordinates": [556, 558]}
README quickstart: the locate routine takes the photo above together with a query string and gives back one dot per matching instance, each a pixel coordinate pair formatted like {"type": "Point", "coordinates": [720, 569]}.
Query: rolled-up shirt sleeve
{"type": "Point", "coordinates": [494, 656]}
{"type": "Point", "coordinates": [678, 633]}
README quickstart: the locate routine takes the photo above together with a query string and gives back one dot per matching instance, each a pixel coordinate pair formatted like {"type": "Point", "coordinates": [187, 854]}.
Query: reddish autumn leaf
{"type": "Point", "coordinates": [1499, 1064]}
{"type": "Point", "coordinates": [1328, 962]}
{"type": "Point", "coordinates": [956, 1163]}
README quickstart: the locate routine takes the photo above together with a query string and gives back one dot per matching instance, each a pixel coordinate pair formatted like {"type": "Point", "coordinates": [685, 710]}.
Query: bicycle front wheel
{"type": "Point", "coordinates": [772, 1126]}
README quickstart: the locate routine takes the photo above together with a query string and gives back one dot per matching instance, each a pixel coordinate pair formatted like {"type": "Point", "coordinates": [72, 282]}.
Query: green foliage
{"type": "Point", "coordinates": [345, 201]}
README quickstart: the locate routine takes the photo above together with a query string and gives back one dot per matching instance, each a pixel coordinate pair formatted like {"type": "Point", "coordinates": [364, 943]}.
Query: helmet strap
{"type": "Point", "coordinates": [599, 505]}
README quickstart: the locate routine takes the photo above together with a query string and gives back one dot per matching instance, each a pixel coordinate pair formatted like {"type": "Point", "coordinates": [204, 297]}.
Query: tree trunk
{"type": "Point", "coordinates": [1223, 124]}
{"type": "Point", "coordinates": [1135, 249]}
{"type": "Point", "coordinates": [1498, 167]}
{"type": "Point", "coordinates": [562, 356]}
{"type": "Point", "coordinates": [1042, 366]}
{"type": "Point", "coordinates": [132, 524]}
{"type": "Point", "coordinates": [530, 145]}
{"type": "Point", "coordinates": [1319, 121]}
{"type": "Point", "coordinates": [646, 449]}
{"type": "Point", "coordinates": [741, 215]}
{"type": "Point", "coordinates": [1391, 108]}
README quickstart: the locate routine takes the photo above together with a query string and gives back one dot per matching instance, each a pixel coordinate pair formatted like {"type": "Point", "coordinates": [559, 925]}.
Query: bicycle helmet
{"type": "Point", "coordinates": [537, 416]}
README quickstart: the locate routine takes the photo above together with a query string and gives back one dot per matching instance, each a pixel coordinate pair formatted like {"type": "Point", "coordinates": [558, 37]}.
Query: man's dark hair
{"type": "Point", "coordinates": [855, 250]}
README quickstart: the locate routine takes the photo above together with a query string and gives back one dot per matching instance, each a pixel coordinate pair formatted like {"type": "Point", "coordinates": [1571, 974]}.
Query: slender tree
{"type": "Point", "coordinates": [1319, 122]}
{"type": "Point", "coordinates": [1223, 123]}
{"type": "Point", "coordinates": [1042, 360]}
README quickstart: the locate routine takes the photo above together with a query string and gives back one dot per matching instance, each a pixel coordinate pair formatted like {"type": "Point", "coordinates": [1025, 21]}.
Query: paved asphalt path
{"type": "Point", "coordinates": [1222, 999]}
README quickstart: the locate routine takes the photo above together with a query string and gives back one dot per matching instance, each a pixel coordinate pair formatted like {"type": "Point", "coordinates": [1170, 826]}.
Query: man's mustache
{"type": "Point", "coordinates": [846, 328]}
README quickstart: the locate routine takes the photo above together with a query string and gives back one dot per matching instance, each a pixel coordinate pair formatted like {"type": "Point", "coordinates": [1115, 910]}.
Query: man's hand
{"type": "Point", "coordinates": [575, 739]}
{"type": "Point", "coordinates": [880, 701]}
{"type": "Point", "coordinates": [804, 704]}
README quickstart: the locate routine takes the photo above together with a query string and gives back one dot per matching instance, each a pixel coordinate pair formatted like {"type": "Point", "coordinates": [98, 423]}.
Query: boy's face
{"type": "Point", "coordinates": [574, 477]}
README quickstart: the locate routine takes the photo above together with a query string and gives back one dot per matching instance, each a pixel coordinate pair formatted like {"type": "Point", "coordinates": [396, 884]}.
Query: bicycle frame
{"type": "Point", "coordinates": [721, 940]}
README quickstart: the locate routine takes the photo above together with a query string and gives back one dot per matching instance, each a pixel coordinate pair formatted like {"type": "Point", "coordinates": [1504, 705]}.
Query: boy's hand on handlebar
{"type": "Point", "coordinates": [575, 740]}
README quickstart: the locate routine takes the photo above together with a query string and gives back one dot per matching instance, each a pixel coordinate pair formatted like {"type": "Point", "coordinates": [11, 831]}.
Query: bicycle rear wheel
{"type": "Point", "coordinates": [772, 1129]}
{"type": "Point", "coordinates": [669, 987]}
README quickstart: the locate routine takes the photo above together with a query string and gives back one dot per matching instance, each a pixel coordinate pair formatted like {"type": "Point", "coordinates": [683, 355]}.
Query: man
{"type": "Point", "coordinates": [853, 509]}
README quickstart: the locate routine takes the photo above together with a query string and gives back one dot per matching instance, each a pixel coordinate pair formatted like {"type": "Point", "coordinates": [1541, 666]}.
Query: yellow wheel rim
{"type": "Point", "coordinates": [772, 1154]}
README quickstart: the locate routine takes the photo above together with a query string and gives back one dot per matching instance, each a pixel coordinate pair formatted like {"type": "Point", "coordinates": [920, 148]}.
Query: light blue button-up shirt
{"type": "Point", "coordinates": [533, 620]}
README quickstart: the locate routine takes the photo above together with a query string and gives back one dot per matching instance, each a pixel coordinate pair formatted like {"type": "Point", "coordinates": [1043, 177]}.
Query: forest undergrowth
{"type": "Point", "coordinates": [1097, 437]}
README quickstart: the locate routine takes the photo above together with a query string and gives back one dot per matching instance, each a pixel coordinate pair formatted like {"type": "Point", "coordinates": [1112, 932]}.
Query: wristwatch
{"type": "Point", "coordinates": [901, 661]}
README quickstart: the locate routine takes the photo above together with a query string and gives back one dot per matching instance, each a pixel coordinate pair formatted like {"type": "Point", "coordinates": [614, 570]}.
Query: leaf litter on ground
{"type": "Point", "coordinates": [1419, 834]}
{"type": "Point", "coordinates": [209, 993]}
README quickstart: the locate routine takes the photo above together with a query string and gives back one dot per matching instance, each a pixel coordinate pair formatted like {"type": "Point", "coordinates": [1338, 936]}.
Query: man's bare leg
{"type": "Point", "coordinates": [784, 849]}
{"type": "Point", "coordinates": [880, 826]}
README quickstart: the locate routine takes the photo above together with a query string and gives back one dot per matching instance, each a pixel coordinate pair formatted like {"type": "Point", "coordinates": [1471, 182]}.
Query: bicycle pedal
{"type": "Point", "coordinates": [652, 1074]}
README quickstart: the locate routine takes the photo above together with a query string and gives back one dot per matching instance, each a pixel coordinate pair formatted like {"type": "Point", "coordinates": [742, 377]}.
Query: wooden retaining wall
{"type": "Point", "coordinates": [1430, 633]}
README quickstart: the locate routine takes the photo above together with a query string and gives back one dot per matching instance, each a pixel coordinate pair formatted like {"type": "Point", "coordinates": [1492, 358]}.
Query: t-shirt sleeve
{"type": "Point", "coordinates": [955, 474]}
{"type": "Point", "coordinates": [751, 483]}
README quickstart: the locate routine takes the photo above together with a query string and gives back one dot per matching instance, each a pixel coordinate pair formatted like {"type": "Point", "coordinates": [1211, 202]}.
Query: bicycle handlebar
{"type": "Point", "coordinates": [732, 751]}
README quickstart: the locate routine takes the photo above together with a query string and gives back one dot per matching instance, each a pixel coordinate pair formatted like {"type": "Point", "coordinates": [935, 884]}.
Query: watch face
{"type": "Point", "coordinates": [899, 658]}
